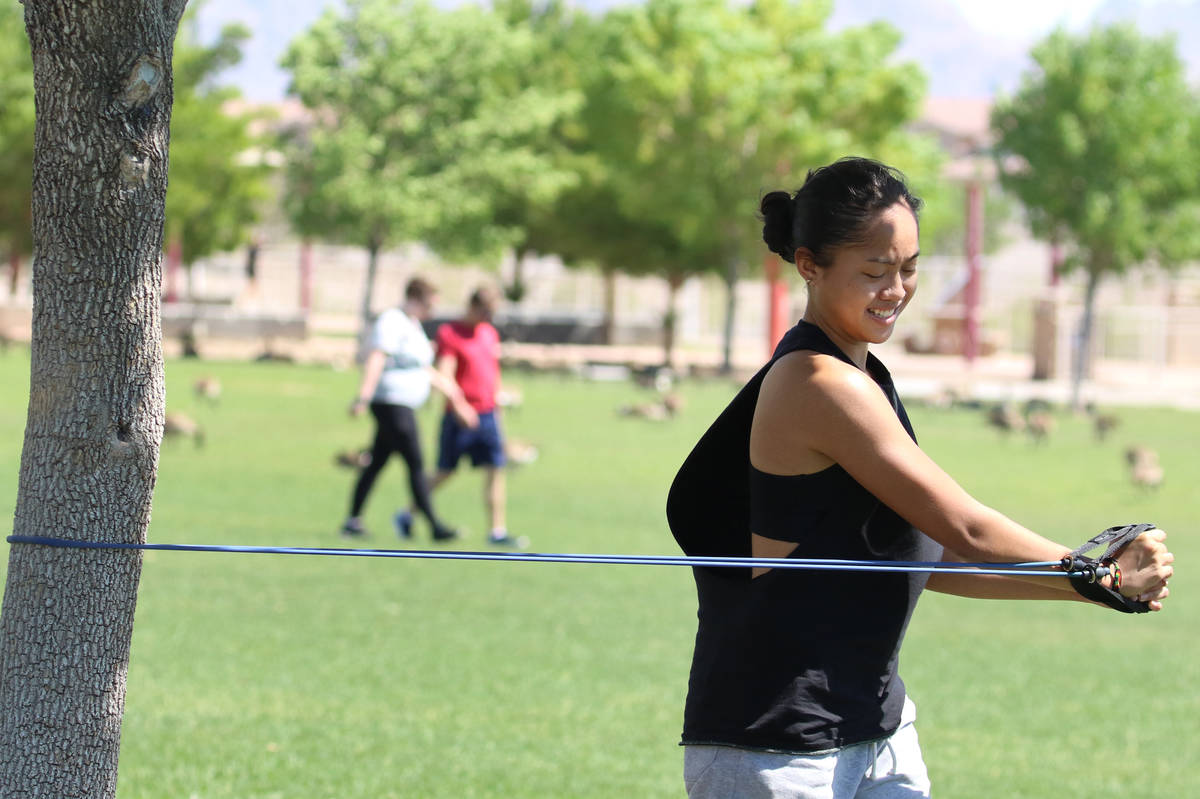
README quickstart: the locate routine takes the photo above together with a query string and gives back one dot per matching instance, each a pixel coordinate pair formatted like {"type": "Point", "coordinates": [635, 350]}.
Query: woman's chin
{"type": "Point", "coordinates": [878, 331]}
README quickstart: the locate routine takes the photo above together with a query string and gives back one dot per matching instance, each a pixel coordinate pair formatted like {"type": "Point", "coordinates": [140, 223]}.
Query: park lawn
{"type": "Point", "coordinates": [256, 676]}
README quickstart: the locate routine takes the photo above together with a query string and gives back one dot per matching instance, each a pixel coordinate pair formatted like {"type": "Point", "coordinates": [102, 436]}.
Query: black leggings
{"type": "Point", "coordinates": [395, 431]}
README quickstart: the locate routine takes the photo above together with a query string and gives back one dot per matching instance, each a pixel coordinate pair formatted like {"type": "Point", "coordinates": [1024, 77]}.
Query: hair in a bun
{"type": "Point", "coordinates": [776, 210]}
{"type": "Point", "coordinates": [833, 208]}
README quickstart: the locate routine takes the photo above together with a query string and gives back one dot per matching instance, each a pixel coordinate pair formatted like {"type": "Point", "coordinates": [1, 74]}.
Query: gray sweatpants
{"type": "Point", "coordinates": [888, 769]}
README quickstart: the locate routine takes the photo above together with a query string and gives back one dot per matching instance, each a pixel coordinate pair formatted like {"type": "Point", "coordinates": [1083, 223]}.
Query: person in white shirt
{"type": "Point", "coordinates": [397, 376]}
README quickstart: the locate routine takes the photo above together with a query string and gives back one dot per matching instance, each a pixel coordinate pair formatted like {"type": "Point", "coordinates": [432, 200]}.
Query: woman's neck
{"type": "Point", "coordinates": [855, 350]}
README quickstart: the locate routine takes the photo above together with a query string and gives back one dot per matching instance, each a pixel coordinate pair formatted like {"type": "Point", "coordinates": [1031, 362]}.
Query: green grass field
{"type": "Point", "coordinates": [257, 676]}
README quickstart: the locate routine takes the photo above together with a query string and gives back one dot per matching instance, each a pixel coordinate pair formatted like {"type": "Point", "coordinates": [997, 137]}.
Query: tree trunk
{"type": "Point", "coordinates": [671, 318]}
{"type": "Point", "coordinates": [1083, 344]}
{"type": "Point", "coordinates": [516, 290]}
{"type": "Point", "coordinates": [364, 312]}
{"type": "Point", "coordinates": [102, 78]}
{"type": "Point", "coordinates": [731, 283]}
{"type": "Point", "coordinates": [610, 307]}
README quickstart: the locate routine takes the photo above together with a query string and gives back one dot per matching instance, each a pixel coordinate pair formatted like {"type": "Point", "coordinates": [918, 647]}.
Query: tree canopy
{"type": "Point", "coordinates": [1106, 125]}
{"type": "Point", "coordinates": [534, 217]}
{"type": "Point", "coordinates": [215, 185]}
{"type": "Point", "coordinates": [426, 122]}
{"type": "Point", "coordinates": [695, 108]}
{"type": "Point", "coordinates": [1108, 132]}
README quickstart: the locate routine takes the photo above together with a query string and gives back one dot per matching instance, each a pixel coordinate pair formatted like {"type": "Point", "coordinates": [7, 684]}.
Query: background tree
{"type": "Point", "coordinates": [424, 125]}
{"type": "Point", "coordinates": [591, 231]}
{"type": "Point", "coordinates": [16, 140]}
{"type": "Point", "coordinates": [102, 77]}
{"type": "Point", "coordinates": [1109, 131]}
{"type": "Point", "coordinates": [215, 185]}
{"type": "Point", "coordinates": [533, 213]}
{"type": "Point", "coordinates": [697, 108]}
{"type": "Point", "coordinates": [582, 224]}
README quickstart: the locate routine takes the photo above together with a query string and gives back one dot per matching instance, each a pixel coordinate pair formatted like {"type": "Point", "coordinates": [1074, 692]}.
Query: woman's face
{"type": "Point", "coordinates": [858, 297]}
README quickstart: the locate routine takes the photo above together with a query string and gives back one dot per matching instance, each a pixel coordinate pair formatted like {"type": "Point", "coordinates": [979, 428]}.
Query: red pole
{"type": "Point", "coordinates": [174, 261]}
{"type": "Point", "coordinates": [306, 276]}
{"type": "Point", "coordinates": [972, 290]}
{"type": "Point", "coordinates": [14, 271]}
{"type": "Point", "coordinates": [777, 303]}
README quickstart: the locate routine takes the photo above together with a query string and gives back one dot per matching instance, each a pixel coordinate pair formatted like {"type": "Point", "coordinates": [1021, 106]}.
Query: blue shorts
{"type": "Point", "coordinates": [484, 444]}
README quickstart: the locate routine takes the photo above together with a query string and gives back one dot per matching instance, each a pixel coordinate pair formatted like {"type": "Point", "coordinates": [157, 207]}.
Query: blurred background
{"type": "Point", "coordinates": [602, 162]}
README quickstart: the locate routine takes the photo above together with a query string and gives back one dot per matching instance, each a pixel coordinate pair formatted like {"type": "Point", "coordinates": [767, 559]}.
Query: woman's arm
{"type": "Point", "coordinates": [988, 586]}
{"type": "Point", "coordinates": [372, 370]}
{"type": "Point", "coordinates": [992, 586]}
{"type": "Point", "coordinates": [816, 410]}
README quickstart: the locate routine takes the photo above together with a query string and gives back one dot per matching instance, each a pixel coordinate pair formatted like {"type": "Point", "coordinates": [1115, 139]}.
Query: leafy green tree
{"type": "Point", "coordinates": [426, 126]}
{"type": "Point", "coordinates": [1109, 131]}
{"type": "Point", "coordinates": [215, 186]}
{"type": "Point", "coordinates": [553, 70]}
{"type": "Point", "coordinates": [16, 138]}
{"type": "Point", "coordinates": [591, 230]}
{"type": "Point", "coordinates": [695, 107]}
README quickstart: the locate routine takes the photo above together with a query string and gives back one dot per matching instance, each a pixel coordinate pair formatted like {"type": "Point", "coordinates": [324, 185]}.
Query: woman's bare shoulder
{"type": "Point", "coordinates": [810, 375]}
{"type": "Point", "coordinates": [803, 396]}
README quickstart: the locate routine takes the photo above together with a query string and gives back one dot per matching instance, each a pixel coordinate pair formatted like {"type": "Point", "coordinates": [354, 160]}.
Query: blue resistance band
{"type": "Point", "coordinates": [1031, 569]}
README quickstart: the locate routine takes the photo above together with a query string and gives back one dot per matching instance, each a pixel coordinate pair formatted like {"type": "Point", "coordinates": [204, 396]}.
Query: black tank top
{"type": "Point", "coordinates": [794, 660]}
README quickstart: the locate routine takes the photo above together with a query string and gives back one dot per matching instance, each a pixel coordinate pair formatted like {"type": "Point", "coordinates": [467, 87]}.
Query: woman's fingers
{"type": "Point", "coordinates": [1162, 592]}
{"type": "Point", "coordinates": [1146, 565]}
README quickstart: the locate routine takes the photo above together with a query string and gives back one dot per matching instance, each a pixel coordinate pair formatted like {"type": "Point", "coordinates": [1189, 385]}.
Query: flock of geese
{"type": "Point", "coordinates": [1035, 419]}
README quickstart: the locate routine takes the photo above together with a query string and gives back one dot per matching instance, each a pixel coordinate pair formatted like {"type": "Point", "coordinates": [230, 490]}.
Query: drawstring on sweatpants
{"type": "Point", "coordinates": [887, 744]}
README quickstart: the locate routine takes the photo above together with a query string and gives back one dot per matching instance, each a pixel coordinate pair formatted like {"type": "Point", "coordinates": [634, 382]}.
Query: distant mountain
{"type": "Point", "coordinates": [959, 59]}
{"type": "Point", "coordinates": [962, 60]}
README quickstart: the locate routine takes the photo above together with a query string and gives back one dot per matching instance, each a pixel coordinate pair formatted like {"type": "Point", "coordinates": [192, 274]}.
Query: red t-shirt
{"type": "Point", "coordinates": [476, 351]}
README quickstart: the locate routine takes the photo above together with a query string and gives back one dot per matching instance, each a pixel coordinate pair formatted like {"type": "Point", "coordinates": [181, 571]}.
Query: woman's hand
{"type": "Point", "coordinates": [1145, 568]}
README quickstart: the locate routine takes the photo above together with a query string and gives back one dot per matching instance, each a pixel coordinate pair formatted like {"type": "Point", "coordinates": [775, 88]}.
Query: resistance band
{"type": "Point", "coordinates": [1079, 569]}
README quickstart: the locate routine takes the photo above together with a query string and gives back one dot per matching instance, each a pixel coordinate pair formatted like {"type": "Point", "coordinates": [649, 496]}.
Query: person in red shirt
{"type": "Point", "coordinates": [468, 350]}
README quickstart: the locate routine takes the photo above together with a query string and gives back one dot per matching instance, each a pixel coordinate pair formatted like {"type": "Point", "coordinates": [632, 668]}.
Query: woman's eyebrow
{"type": "Point", "coordinates": [884, 259]}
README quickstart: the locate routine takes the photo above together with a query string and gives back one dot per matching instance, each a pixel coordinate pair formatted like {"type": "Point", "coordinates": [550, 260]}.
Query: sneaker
{"type": "Point", "coordinates": [444, 533]}
{"type": "Point", "coordinates": [353, 528]}
{"type": "Point", "coordinates": [404, 522]}
{"type": "Point", "coordinates": [508, 541]}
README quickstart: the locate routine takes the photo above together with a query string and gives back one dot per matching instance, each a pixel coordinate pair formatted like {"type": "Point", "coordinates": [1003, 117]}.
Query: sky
{"type": "Point", "coordinates": [969, 47]}
{"type": "Point", "coordinates": [1025, 18]}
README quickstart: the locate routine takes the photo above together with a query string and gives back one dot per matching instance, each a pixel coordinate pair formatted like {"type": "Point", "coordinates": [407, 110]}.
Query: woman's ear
{"type": "Point", "coordinates": [806, 265]}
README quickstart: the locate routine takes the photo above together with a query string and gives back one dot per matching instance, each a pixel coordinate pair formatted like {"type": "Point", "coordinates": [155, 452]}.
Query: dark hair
{"type": "Point", "coordinates": [834, 207]}
{"type": "Point", "coordinates": [484, 298]}
{"type": "Point", "coordinates": [420, 290]}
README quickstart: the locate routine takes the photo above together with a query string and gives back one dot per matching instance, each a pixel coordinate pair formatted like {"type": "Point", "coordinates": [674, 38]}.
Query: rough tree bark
{"type": "Point", "coordinates": [102, 82]}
